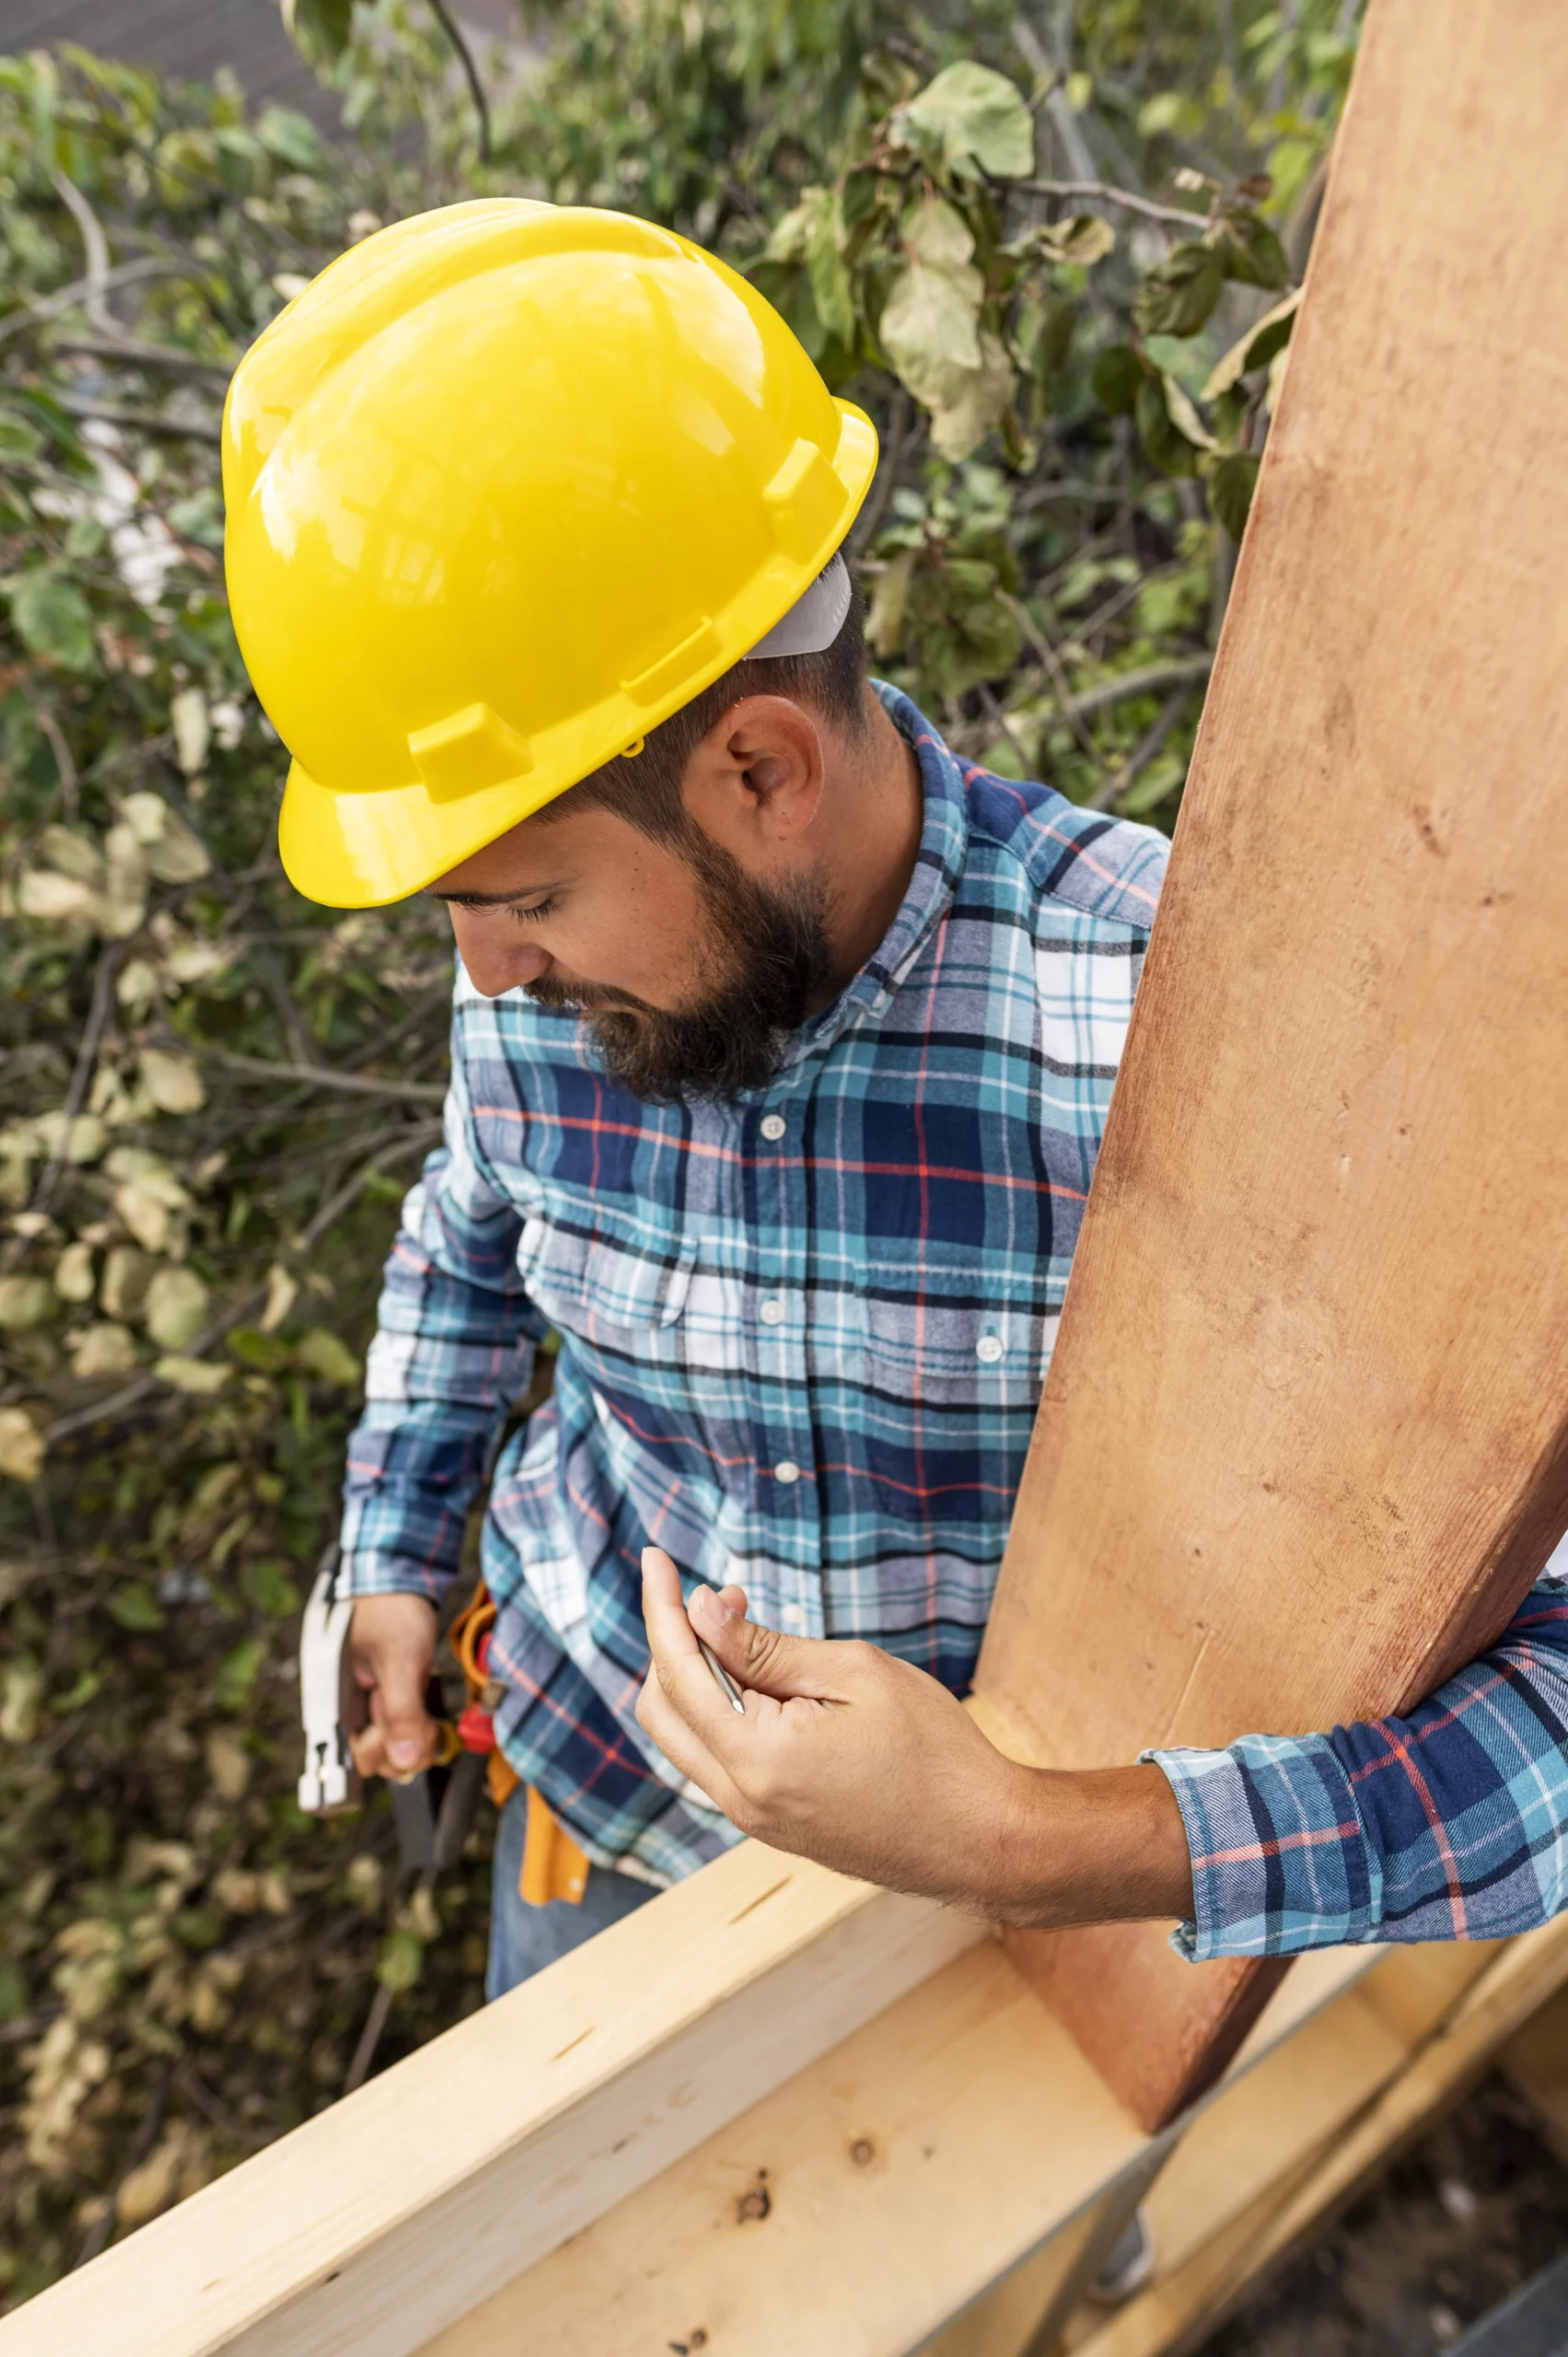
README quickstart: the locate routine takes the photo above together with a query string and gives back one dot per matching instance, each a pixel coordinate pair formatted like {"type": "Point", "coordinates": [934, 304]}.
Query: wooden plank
{"type": "Point", "coordinates": [902, 2174]}
{"type": "Point", "coordinates": [936, 2175]}
{"type": "Point", "coordinates": [1303, 1445]}
{"type": "Point", "coordinates": [364, 2232]}
{"type": "Point", "coordinates": [1535, 2059]}
{"type": "Point", "coordinates": [1213, 2273]}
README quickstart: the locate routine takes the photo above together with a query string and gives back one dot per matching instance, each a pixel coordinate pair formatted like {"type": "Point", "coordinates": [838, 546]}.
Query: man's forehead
{"type": "Point", "coordinates": [530, 857]}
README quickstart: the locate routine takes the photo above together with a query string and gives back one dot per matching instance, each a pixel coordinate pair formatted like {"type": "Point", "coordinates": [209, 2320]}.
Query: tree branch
{"type": "Point", "coordinates": [424, 1092]}
{"type": "Point", "coordinates": [136, 354]}
{"type": "Point", "coordinates": [1102, 192]}
{"type": "Point", "coordinates": [454, 34]}
{"type": "Point", "coordinates": [81, 1078]}
{"type": "Point", "coordinates": [95, 245]}
{"type": "Point", "coordinates": [1150, 744]}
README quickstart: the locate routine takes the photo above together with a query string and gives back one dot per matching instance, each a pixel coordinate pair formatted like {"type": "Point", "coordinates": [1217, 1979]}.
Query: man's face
{"type": "Point", "coordinates": [690, 972]}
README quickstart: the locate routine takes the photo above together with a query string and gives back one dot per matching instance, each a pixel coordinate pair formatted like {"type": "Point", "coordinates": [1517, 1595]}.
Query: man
{"type": "Point", "coordinates": [782, 1043]}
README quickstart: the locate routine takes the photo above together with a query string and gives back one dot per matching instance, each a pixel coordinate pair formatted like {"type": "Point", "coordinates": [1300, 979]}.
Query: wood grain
{"type": "Point", "coordinates": [1303, 1444]}
{"type": "Point", "coordinates": [904, 2173]}
{"type": "Point", "coordinates": [367, 2230]}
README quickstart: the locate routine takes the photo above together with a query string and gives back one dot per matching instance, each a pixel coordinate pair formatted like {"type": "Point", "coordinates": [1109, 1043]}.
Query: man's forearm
{"type": "Point", "coordinates": [1088, 1846]}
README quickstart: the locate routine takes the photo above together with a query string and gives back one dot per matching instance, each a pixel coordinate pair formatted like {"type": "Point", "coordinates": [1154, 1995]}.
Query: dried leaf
{"type": "Point", "coordinates": [327, 1356]}
{"type": "Point", "coordinates": [175, 1307]}
{"type": "Point", "coordinates": [24, 1302]}
{"type": "Point", "coordinates": [283, 1290]}
{"type": "Point", "coordinates": [199, 1378]}
{"type": "Point", "coordinates": [192, 729]}
{"type": "Point", "coordinates": [104, 1349]}
{"type": "Point", "coordinates": [1267, 335]}
{"type": "Point", "coordinates": [42, 892]}
{"type": "Point", "coordinates": [172, 1082]}
{"type": "Point", "coordinates": [74, 1273]}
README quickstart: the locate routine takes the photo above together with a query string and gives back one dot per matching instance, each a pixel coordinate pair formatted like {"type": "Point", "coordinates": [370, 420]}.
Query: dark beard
{"type": "Point", "coordinates": [769, 961]}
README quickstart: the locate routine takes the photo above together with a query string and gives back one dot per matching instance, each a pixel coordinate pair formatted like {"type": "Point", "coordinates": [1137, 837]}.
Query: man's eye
{"type": "Point", "coordinates": [532, 916]}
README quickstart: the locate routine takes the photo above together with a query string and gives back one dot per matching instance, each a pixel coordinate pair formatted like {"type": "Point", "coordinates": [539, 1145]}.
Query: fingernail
{"type": "Point", "coordinates": [707, 1603]}
{"type": "Point", "coordinates": [402, 1754]}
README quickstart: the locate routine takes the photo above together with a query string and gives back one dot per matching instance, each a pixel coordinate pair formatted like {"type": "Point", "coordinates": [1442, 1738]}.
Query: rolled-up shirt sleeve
{"type": "Point", "coordinates": [1448, 1823]}
{"type": "Point", "coordinates": [456, 1338]}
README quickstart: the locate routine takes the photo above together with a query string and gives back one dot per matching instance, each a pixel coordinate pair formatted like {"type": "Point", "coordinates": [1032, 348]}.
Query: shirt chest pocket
{"type": "Point", "coordinates": [970, 1347]}
{"type": "Point", "coordinates": [600, 1282]}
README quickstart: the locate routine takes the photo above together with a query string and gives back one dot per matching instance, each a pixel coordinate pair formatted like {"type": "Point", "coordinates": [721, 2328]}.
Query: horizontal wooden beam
{"type": "Point", "coordinates": [910, 2174]}
{"type": "Point", "coordinates": [367, 2230]}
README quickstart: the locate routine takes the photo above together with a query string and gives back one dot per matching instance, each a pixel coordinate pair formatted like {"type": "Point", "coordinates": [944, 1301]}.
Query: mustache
{"type": "Point", "coordinates": [585, 998]}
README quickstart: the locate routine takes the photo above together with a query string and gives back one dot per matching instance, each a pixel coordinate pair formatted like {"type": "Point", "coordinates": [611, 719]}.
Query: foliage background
{"type": "Point", "coordinates": [212, 1094]}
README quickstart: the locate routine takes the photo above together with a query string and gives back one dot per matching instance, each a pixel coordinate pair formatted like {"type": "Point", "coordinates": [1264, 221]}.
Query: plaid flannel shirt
{"type": "Point", "coordinates": [802, 1338]}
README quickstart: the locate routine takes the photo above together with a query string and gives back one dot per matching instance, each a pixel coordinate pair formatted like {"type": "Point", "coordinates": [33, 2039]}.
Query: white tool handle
{"type": "Point", "coordinates": [330, 1780]}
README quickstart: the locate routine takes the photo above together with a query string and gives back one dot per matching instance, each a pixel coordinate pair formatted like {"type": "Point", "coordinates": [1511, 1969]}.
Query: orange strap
{"type": "Point", "coordinates": [554, 1866]}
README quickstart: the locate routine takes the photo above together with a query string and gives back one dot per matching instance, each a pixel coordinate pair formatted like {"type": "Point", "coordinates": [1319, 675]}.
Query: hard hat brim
{"type": "Point", "coordinates": [378, 844]}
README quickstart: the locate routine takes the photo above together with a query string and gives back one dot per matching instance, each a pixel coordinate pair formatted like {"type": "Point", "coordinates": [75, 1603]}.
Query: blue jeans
{"type": "Point", "coordinates": [524, 1939]}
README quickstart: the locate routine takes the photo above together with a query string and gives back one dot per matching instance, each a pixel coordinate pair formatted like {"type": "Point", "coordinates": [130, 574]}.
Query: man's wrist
{"type": "Point", "coordinates": [1091, 1846]}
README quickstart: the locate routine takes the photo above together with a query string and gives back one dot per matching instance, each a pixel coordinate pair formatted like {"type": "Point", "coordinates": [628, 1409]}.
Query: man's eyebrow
{"type": "Point", "coordinates": [491, 900]}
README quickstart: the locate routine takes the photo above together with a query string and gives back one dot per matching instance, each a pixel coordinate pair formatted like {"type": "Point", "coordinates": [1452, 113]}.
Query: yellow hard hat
{"type": "Point", "coordinates": [507, 485]}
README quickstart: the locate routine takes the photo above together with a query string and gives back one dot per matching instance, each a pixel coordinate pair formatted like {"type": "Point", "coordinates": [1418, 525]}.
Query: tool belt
{"type": "Point", "coordinates": [553, 1867]}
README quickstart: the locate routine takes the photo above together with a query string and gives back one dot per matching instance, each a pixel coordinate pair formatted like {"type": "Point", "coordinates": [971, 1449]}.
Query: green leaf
{"type": "Point", "coordinates": [258, 1350]}
{"type": "Point", "coordinates": [930, 331]}
{"type": "Point", "coordinates": [292, 139]}
{"type": "Point", "coordinates": [198, 1927]}
{"type": "Point", "coordinates": [318, 29]}
{"type": "Point", "coordinates": [958, 427]}
{"type": "Point", "coordinates": [1179, 296]}
{"type": "Point", "coordinates": [1116, 379]}
{"type": "Point", "coordinates": [1167, 445]}
{"type": "Point", "coordinates": [269, 1587]}
{"type": "Point", "coordinates": [973, 119]}
{"type": "Point", "coordinates": [1230, 491]}
{"type": "Point", "coordinates": [400, 1962]}
{"type": "Point", "coordinates": [328, 1356]}
{"type": "Point", "coordinates": [135, 1607]}
{"type": "Point", "coordinates": [889, 602]}
{"type": "Point", "coordinates": [825, 269]}
{"type": "Point", "coordinates": [1184, 415]}
{"type": "Point", "coordinates": [1250, 251]}
{"type": "Point", "coordinates": [1042, 335]}
{"type": "Point", "coordinates": [1256, 348]}
{"type": "Point", "coordinates": [1084, 240]}
{"type": "Point", "coordinates": [238, 1675]}
{"type": "Point", "coordinates": [13, 1993]}
{"type": "Point", "coordinates": [1158, 782]}
{"type": "Point", "coordinates": [52, 620]}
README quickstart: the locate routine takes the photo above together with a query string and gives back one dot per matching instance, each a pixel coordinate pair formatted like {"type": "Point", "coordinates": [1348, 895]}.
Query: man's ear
{"type": "Point", "coordinates": [754, 782]}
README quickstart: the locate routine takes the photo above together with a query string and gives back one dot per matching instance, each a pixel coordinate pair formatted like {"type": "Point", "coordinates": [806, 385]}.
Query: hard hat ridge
{"type": "Point", "coordinates": [507, 486]}
{"type": "Point", "coordinates": [814, 621]}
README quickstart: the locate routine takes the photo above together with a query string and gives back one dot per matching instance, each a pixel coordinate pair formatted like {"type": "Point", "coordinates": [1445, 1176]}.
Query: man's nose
{"type": "Point", "coordinates": [494, 967]}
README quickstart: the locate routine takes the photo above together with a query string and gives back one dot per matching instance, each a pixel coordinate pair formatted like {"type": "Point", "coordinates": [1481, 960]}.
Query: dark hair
{"type": "Point", "coordinates": [644, 787]}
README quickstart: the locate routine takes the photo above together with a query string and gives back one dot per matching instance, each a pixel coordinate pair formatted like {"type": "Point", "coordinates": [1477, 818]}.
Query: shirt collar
{"type": "Point", "coordinates": [939, 862]}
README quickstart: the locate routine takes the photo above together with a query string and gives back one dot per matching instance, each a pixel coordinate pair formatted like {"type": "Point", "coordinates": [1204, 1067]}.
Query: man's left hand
{"type": "Point", "coordinates": [855, 1758]}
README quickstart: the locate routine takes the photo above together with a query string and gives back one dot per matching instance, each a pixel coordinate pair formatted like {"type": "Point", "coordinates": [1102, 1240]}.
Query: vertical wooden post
{"type": "Point", "coordinates": [1302, 1450]}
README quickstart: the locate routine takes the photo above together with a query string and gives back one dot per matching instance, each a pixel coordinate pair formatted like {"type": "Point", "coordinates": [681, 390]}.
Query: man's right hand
{"type": "Point", "coordinates": [391, 1643]}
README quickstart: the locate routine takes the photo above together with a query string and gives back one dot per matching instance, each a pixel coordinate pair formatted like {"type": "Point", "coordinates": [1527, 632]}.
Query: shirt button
{"type": "Point", "coordinates": [772, 1127]}
{"type": "Point", "coordinates": [792, 1615]}
{"type": "Point", "coordinates": [771, 1313]}
{"type": "Point", "coordinates": [787, 1471]}
{"type": "Point", "coordinates": [988, 1349]}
